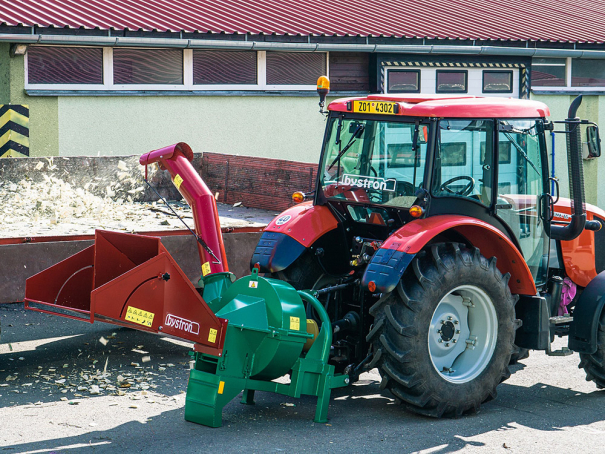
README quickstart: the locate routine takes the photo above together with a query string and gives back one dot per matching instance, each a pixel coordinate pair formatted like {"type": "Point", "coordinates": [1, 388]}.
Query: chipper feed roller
{"type": "Point", "coordinates": [246, 332]}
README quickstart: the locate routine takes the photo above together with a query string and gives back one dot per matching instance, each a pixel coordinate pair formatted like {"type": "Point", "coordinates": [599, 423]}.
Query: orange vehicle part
{"type": "Point", "coordinates": [304, 222]}
{"type": "Point", "coordinates": [412, 237]}
{"type": "Point", "coordinates": [128, 280]}
{"type": "Point", "coordinates": [579, 253]}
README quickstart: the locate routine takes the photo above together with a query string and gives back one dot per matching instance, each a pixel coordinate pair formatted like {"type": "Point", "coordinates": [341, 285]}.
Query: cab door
{"type": "Point", "coordinates": [520, 183]}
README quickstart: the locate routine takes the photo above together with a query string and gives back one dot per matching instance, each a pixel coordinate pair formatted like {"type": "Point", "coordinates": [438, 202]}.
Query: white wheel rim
{"type": "Point", "coordinates": [463, 333]}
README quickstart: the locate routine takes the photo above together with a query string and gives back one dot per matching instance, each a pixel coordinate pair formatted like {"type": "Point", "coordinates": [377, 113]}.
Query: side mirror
{"type": "Point", "coordinates": [594, 141]}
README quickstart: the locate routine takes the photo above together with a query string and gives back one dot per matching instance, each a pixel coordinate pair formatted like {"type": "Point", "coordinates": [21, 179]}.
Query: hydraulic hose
{"type": "Point", "coordinates": [325, 323]}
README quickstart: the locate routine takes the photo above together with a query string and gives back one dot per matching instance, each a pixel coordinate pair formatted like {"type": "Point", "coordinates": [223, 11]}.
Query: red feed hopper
{"type": "Point", "coordinates": [128, 280]}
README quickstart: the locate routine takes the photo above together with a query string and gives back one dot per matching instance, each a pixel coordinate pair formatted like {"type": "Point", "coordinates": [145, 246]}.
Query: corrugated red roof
{"type": "Point", "coordinates": [525, 20]}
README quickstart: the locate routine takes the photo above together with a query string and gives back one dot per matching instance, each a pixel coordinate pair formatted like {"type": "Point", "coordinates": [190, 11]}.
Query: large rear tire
{"type": "Point", "coordinates": [519, 353]}
{"type": "Point", "coordinates": [443, 339]}
{"type": "Point", "coordinates": [594, 365]}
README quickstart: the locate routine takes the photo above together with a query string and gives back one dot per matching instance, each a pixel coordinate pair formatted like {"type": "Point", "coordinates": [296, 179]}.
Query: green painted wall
{"type": "Point", "coordinates": [594, 169]}
{"type": "Point", "coordinates": [43, 111]}
{"type": "Point", "coordinates": [288, 128]}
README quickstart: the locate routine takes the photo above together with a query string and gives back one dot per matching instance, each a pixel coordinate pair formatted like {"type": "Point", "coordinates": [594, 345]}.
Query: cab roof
{"type": "Point", "coordinates": [451, 106]}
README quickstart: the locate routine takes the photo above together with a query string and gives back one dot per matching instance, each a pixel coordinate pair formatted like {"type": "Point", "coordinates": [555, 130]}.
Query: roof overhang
{"type": "Point", "coordinates": [109, 41]}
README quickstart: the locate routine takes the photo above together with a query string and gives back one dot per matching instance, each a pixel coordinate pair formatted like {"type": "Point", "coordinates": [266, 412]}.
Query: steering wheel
{"type": "Point", "coordinates": [465, 190]}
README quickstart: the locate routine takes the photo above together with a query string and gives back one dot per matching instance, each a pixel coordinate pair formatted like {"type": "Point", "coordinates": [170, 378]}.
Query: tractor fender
{"type": "Point", "coordinates": [584, 328]}
{"type": "Point", "coordinates": [390, 262]}
{"type": "Point", "coordinates": [290, 234]}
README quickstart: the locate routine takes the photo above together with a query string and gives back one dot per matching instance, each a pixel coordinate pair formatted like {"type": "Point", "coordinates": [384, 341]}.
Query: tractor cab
{"type": "Point", "coordinates": [388, 160]}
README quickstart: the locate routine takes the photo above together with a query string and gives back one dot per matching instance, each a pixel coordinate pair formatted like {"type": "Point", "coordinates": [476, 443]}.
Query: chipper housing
{"type": "Point", "coordinates": [245, 333]}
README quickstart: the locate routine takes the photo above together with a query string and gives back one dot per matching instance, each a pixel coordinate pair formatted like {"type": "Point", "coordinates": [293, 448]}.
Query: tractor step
{"type": "Point", "coordinates": [560, 320]}
{"type": "Point", "coordinates": [563, 352]}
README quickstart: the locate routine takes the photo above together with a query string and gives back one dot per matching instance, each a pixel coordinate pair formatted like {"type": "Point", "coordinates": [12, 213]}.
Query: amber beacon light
{"type": "Point", "coordinates": [323, 88]}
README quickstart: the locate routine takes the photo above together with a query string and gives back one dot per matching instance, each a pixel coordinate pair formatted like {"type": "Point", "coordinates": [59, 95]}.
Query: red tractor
{"type": "Point", "coordinates": [439, 246]}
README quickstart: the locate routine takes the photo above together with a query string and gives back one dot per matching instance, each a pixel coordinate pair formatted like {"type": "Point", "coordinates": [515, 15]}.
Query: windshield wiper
{"type": "Point", "coordinates": [521, 151]}
{"type": "Point", "coordinates": [352, 140]}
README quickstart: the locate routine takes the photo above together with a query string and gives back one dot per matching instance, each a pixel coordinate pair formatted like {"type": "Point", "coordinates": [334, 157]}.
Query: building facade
{"type": "Point", "coordinates": [241, 81]}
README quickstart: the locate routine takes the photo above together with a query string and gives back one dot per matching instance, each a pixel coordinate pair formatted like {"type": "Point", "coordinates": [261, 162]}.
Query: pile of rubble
{"type": "Point", "coordinates": [51, 199]}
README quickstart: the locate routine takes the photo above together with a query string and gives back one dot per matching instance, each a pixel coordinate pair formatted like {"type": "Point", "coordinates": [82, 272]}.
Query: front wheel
{"type": "Point", "coordinates": [444, 338]}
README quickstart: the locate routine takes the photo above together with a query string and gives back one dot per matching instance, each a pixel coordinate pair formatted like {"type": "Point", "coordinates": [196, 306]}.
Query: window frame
{"type": "Point", "coordinates": [188, 85]}
{"type": "Point", "coordinates": [399, 70]}
{"type": "Point", "coordinates": [443, 71]}
{"type": "Point", "coordinates": [567, 88]}
{"type": "Point", "coordinates": [494, 71]}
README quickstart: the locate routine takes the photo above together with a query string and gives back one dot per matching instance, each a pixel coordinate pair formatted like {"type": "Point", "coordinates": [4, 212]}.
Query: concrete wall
{"type": "Point", "coordinates": [271, 127]}
{"type": "Point", "coordinates": [43, 111]}
{"type": "Point", "coordinates": [594, 170]}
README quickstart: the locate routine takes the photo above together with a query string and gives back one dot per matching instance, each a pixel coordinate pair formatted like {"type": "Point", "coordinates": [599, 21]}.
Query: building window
{"type": "Point", "coordinates": [587, 73]}
{"type": "Point", "coordinates": [497, 81]}
{"type": "Point", "coordinates": [129, 69]}
{"type": "Point", "coordinates": [148, 66]}
{"type": "Point", "coordinates": [452, 82]}
{"type": "Point", "coordinates": [65, 65]}
{"type": "Point", "coordinates": [295, 68]}
{"type": "Point", "coordinates": [403, 81]}
{"type": "Point", "coordinates": [224, 67]}
{"type": "Point", "coordinates": [548, 72]}
{"type": "Point", "coordinates": [453, 154]}
{"type": "Point", "coordinates": [503, 153]}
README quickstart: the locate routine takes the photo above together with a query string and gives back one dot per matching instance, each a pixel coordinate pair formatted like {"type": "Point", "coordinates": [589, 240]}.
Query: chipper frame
{"type": "Point", "coordinates": [246, 333]}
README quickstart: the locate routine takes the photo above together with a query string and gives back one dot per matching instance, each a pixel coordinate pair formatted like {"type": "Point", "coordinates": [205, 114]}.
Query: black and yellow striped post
{"type": "Point", "coordinates": [14, 130]}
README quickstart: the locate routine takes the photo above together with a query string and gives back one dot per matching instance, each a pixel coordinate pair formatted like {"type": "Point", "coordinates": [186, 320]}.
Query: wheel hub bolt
{"type": "Point", "coordinates": [439, 340]}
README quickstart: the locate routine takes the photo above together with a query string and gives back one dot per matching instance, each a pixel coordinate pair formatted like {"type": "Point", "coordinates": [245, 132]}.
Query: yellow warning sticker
{"type": "Point", "coordinates": [206, 268]}
{"type": "Point", "coordinates": [177, 181]}
{"type": "Point", "coordinates": [139, 316]}
{"type": "Point", "coordinates": [212, 335]}
{"type": "Point", "coordinates": [295, 323]}
{"type": "Point", "coordinates": [253, 284]}
{"type": "Point", "coordinates": [221, 387]}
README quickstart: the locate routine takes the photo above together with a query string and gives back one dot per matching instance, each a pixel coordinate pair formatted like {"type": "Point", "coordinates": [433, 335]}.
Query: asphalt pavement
{"type": "Point", "coordinates": [67, 386]}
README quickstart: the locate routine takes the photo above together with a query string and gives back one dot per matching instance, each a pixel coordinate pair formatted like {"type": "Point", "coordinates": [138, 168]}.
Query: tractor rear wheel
{"type": "Point", "coordinates": [594, 365]}
{"type": "Point", "coordinates": [443, 339]}
{"type": "Point", "coordinates": [519, 353]}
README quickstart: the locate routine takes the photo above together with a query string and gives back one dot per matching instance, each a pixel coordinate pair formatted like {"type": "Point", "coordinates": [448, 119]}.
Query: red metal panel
{"type": "Point", "coordinates": [525, 20]}
{"type": "Point", "coordinates": [579, 253]}
{"type": "Point", "coordinates": [412, 237]}
{"type": "Point", "coordinates": [304, 222]}
{"type": "Point", "coordinates": [67, 284]}
{"type": "Point", "coordinates": [134, 282]}
{"type": "Point", "coordinates": [455, 106]}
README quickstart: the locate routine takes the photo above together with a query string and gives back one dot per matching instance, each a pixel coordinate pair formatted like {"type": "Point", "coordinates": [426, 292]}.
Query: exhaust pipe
{"type": "Point", "coordinates": [576, 178]}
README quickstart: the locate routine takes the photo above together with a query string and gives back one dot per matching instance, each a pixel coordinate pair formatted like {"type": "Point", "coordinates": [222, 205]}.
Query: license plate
{"type": "Point", "coordinates": [376, 107]}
